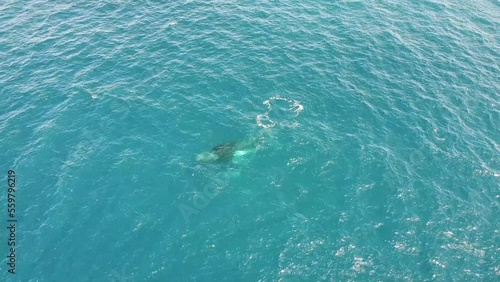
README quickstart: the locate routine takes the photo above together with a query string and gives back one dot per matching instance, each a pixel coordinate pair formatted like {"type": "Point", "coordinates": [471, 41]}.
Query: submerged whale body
{"type": "Point", "coordinates": [226, 152]}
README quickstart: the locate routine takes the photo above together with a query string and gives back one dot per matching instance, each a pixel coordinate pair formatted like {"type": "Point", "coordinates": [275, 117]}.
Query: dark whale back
{"type": "Point", "coordinates": [225, 151]}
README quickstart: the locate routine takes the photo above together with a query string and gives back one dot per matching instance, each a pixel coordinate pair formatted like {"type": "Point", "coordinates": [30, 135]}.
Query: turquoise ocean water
{"type": "Point", "coordinates": [377, 124]}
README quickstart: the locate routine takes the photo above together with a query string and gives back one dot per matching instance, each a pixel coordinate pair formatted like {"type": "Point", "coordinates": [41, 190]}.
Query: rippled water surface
{"type": "Point", "coordinates": [375, 123]}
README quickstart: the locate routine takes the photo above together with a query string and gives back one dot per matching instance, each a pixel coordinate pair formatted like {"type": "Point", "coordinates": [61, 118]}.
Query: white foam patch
{"type": "Point", "coordinates": [172, 23]}
{"type": "Point", "coordinates": [241, 153]}
{"type": "Point", "coordinates": [264, 121]}
{"type": "Point", "coordinates": [280, 114]}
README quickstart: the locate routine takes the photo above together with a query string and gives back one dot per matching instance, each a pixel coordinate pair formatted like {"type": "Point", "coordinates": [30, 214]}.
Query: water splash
{"type": "Point", "coordinates": [280, 111]}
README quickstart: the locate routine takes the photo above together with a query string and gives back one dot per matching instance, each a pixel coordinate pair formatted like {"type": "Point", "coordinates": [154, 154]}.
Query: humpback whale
{"type": "Point", "coordinates": [227, 152]}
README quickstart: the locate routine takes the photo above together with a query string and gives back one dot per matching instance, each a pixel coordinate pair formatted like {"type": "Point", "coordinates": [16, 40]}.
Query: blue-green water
{"type": "Point", "coordinates": [377, 123]}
